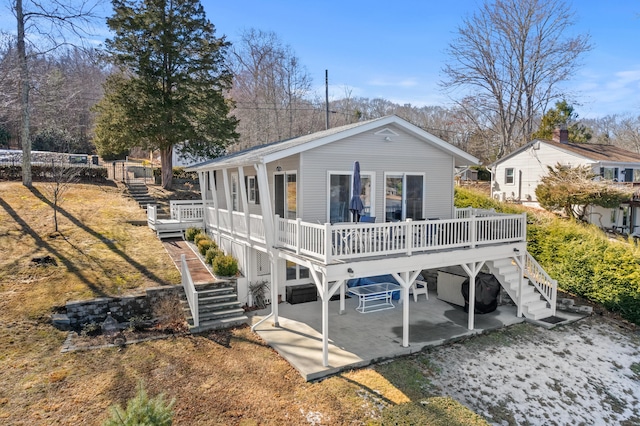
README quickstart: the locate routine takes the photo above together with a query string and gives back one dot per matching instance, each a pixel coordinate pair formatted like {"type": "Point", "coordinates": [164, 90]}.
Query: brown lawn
{"type": "Point", "coordinates": [226, 378]}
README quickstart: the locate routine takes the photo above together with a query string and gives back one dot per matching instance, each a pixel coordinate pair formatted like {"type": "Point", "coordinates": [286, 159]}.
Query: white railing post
{"type": "Point", "coordinates": [524, 226]}
{"type": "Point", "coordinates": [298, 236]}
{"type": "Point", "coordinates": [327, 243]}
{"type": "Point", "coordinates": [409, 235]}
{"type": "Point", "coordinates": [276, 231]}
{"type": "Point", "coordinates": [473, 225]}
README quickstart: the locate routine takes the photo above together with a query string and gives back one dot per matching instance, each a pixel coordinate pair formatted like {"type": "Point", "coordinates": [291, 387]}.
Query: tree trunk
{"type": "Point", "coordinates": [24, 98]}
{"type": "Point", "coordinates": [166, 164]}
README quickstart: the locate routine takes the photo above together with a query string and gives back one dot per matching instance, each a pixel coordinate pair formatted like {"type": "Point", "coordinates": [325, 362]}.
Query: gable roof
{"type": "Point", "coordinates": [589, 151]}
{"type": "Point", "coordinates": [277, 150]}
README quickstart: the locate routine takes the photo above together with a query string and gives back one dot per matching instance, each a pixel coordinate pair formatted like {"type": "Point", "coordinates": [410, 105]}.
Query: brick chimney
{"type": "Point", "coordinates": [561, 135]}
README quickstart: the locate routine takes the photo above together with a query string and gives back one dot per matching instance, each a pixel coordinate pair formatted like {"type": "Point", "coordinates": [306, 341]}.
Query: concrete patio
{"type": "Point", "coordinates": [357, 340]}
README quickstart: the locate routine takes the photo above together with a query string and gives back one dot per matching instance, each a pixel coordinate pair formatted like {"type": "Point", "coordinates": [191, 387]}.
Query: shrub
{"type": "Point", "coordinates": [138, 323]}
{"type": "Point", "coordinates": [211, 254]}
{"type": "Point", "coordinates": [142, 410]}
{"type": "Point", "coordinates": [258, 290]}
{"type": "Point", "coordinates": [225, 266]}
{"type": "Point", "coordinates": [169, 313]}
{"type": "Point", "coordinates": [200, 236]}
{"type": "Point", "coordinates": [204, 245]}
{"type": "Point", "coordinates": [191, 233]}
{"type": "Point", "coordinates": [91, 329]}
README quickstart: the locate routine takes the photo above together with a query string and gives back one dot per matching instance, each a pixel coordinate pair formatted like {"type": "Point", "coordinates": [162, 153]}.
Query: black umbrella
{"type": "Point", "coordinates": [356, 205]}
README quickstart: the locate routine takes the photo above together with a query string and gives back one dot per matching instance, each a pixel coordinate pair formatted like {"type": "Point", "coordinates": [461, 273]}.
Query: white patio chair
{"type": "Point", "coordinates": [419, 287]}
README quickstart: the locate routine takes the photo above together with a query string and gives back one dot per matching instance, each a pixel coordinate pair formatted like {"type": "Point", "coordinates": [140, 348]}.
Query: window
{"type": "Point", "coordinates": [636, 175]}
{"type": "Point", "coordinates": [609, 173]}
{"type": "Point", "coordinates": [509, 175]}
{"type": "Point", "coordinates": [234, 192]}
{"type": "Point", "coordinates": [252, 189]}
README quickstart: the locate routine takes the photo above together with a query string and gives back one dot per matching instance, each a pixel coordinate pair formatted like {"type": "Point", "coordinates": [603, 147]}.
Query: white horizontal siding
{"type": "Point", "coordinates": [529, 167]}
{"type": "Point", "coordinates": [402, 154]}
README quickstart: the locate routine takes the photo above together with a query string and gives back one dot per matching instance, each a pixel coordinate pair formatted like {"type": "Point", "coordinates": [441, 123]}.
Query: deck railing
{"type": "Point", "coordinates": [187, 210]}
{"type": "Point", "coordinates": [546, 285]}
{"type": "Point", "coordinates": [328, 242]}
{"type": "Point", "coordinates": [190, 290]}
{"type": "Point", "coordinates": [357, 240]}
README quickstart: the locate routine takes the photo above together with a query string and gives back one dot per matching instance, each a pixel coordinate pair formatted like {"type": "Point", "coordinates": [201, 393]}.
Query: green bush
{"type": "Point", "coordinates": [199, 237]}
{"type": "Point", "coordinates": [225, 266]}
{"type": "Point", "coordinates": [205, 245]}
{"type": "Point", "coordinates": [191, 233]}
{"type": "Point", "coordinates": [211, 254]}
{"type": "Point", "coordinates": [587, 264]}
{"type": "Point", "coordinates": [142, 410]}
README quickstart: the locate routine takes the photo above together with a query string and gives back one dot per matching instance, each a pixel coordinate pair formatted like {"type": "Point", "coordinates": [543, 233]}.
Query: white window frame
{"type": "Point", "coordinates": [235, 201]}
{"type": "Point", "coordinates": [403, 201]}
{"type": "Point", "coordinates": [365, 173]}
{"type": "Point", "coordinates": [506, 176]}
{"type": "Point", "coordinates": [252, 183]}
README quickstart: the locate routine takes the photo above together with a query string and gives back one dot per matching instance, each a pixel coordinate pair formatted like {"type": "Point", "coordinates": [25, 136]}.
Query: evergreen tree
{"type": "Point", "coordinates": [171, 91]}
{"type": "Point", "coordinates": [563, 115]}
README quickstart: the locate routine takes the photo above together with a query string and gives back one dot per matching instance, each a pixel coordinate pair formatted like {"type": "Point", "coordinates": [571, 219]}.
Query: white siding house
{"type": "Point", "coordinates": [516, 176]}
{"type": "Point", "coordinates": [283, 210]}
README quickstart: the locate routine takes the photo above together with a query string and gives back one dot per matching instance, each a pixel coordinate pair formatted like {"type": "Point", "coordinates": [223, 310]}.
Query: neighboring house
{"type": "Point", "coordinates": [282, 210]}
{"type": "Point", "coordinates": [516, 176]}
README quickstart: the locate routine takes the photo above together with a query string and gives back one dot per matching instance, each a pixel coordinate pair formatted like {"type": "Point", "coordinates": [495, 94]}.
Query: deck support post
{"type": "Point", "coordinates": [405, 281]}
{"type": "Point", "coordinates": [472, 270]}
{"type": "Point", "coordinates": [325, 321]}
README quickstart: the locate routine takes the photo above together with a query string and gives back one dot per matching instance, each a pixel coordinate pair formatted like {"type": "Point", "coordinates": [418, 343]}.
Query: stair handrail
{"type": "Point", "coordinates": [547, 286]}
{"type": "Point", "coordinates": [189, 290]}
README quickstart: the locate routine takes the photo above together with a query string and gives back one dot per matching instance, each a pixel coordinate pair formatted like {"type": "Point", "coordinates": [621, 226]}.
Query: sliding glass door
{"type": "Point", "coordinates": [340, 192]}
{"type": "Point", "coordinates": [404, 197]}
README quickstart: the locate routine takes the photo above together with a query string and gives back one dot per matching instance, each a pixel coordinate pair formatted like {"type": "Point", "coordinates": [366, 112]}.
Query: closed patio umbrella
{"type": "Point", "coordinates": [356, 205]}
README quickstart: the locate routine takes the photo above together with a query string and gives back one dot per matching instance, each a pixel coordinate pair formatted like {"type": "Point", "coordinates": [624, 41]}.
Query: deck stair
{"type": "Point", "coordinates": [218, 308]}
{"type": "Point", "coordinates": [508, 274]}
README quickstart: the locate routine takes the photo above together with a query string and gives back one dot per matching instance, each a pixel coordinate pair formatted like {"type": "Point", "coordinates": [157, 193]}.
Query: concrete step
{"type": "Point", "coordinates": [214, 299]}
{"type": "Point", "coordinates": [167, 235]}
{"type": "Point", "coordinates": [219, 324]}
{"type": "Point", "coordinates": [217, 315]}
{"type": "Point", "coordinates": [214, 291]}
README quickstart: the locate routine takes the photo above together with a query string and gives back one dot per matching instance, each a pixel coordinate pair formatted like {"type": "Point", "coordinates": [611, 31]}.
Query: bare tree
{"type": "Point", "coordinates": [509, 57]}
{"type": "Point", "coordinates": [270, 89]}
{"type": "Point", "coordinates": [53, 23]}
{"type": "Point", "coordinates": [61, 179]}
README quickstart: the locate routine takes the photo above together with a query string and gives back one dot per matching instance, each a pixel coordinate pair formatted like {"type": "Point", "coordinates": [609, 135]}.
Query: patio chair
{"type": "Point", "coordinates": [367, 219]}
{"type": "Point", "coordinates": [419, 287]}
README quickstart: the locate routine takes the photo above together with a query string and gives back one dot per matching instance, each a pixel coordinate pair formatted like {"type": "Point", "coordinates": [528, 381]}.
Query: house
{"type": "Point", "coordinates": [516, 176]}
{"type": "Point", "coordinates": [282, 210]}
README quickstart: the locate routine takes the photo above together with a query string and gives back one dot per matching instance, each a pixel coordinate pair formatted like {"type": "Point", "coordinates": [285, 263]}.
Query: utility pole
{"type": "Point", "coordinates": [326, 94]}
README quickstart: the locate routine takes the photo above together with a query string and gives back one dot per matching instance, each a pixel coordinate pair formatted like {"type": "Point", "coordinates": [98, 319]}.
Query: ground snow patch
{"type": "Point", "coordinates": [575, 374]}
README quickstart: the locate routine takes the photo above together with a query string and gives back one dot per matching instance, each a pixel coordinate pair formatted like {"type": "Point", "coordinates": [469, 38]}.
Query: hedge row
{"type": "Point", "coordinates": [580, 257]}
{"type": "Point", "coordinates": [42, 173]}
{"type": "Point", "coordinates": [178, 173]}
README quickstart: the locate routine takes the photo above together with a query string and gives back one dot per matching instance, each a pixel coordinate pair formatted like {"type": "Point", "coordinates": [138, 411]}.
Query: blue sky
{"type": "Point", "coordinates": [396, 50]}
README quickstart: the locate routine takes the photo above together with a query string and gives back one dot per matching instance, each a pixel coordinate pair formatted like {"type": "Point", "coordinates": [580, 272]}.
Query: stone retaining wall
{"type": "Point", "coordinates": [80, 313]}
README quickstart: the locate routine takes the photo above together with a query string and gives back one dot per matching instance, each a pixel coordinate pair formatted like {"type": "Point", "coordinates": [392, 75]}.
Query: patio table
{"type": "Point", "coordinates": [375, 297]}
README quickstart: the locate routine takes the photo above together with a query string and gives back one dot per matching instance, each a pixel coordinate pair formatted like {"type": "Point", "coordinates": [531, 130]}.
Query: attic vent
{"type": "Point", "coordinates": [386, 132]}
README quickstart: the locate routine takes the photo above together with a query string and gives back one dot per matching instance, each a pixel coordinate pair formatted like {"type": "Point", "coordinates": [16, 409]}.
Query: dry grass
{"type": "Point", "coordinates": [222, 378]}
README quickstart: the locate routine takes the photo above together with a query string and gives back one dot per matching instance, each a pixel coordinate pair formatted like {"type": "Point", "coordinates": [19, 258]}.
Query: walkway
{"type": "Point", "coordinates": [176, 247]}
